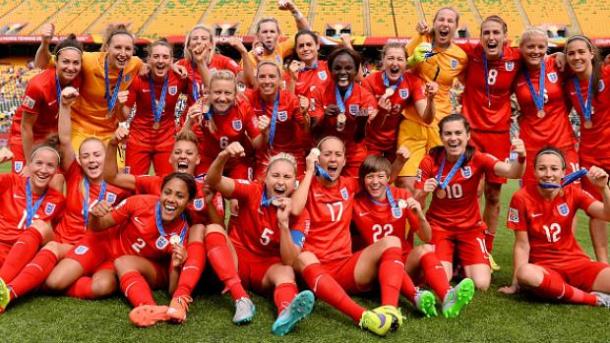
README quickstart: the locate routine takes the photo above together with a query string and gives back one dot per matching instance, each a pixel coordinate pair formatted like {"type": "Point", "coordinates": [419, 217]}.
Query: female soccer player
{"type": "Point", "coordinates": [444, 63]}
{"type": "Point", "coordinates": [30, 208]}
{"type": "Point", "coordinates": [154, 125]}
{"type": "Point", "coordinates": [36, 119]}
{"type": "Point", "coordinates": [544, 111]}
{"type": "Point", "coordinates": [227, 118]}
{"type": "Point", "coordinates": [452, 173]}
{"type": "Point", "coordinates": [343, 108]}
{"type": "Point", "coordinates": [547, 259]}
{"type": "Point", "coordinates": [327, 263]}
{"type": "Point", "coordinates": [589, 91]}
{"type": "Point", "coordinates": [394, 90]}
{"type": "Point", "coordinates": [384, 210]}
{"type": "Point", "coordinates": [265, 235]}
{"type": "Point", "coordinates": [280, 118]}
{"type": "Point", "coordinates": [308, 71]}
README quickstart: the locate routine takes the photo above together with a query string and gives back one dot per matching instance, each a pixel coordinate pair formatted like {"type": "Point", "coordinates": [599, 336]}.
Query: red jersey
{"type": "Point", "coordinates": [360, 103]}
{"type": "Point", "coordinates": [40, 99]}
{"type": "Point", "coordinates": [317, 76]}
{"type": "Point", "coordinates": [289, 119]}
{"type": "Point", "coordinates": [489, 112]}
{"type": "Point", "coordinates": [218, 62]}
{"type": "Point", "coordinates": [138, 234]}
{"type": "Point", "coordinates": [197, 209]}
{"type": "Point", "coordinates": [382, 131]}
{"type": "Point", "coordinates": [256, 227]}
{"type": "Point", "coordinates": [14, 204]}
{"type": "Point", "coordinates": [548, 223]}
{"type": "Point", "coordinates": [375, 220]}
{"type": "Point", "coordinates": [330, 209]}
{"type": "Point", "coordinates": [459, 209]}
{"type": "Point", "coordinates": [72, 226]}
{"type": "Point", "coordinates": [140, 95]}
{"type": "Point", "coordinates": [237, 125]}
{"type": "Point", "coordinates": [554, 128]}
{"type": "Point", "coordinates": [594, 142]}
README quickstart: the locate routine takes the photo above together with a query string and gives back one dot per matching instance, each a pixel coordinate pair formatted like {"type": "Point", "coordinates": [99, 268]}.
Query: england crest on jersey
{"type": "Point", "coordinates": [563, 209]}
{"type": "Point", "coordinates": [602, 85]}
{"type": "Point", "coordinates": [18, 166]}
{"type": "Point", "coordinates": [466, 172]}
{"type": "Point", "coordinates": [344, 193]}
{"type": "Point", "coordinates": [403, 93]}
{"type": "Point", "coordinates": [198, 204]}
{"type": "Point", "coordinates": [552, 77]}
{"type": "Point", "coordinates": [509, 65]}
{"type": "Point", "coordinates": [173, 90]}
{"type": "Point", "coordinates": [127, 78]}
{"type": "Point", "coordinates": [49, 209]}
{"type": "Point", "coordinates": [111, 198]}
{"type": "Point", "coordinates": [161, 243]}
{"type": "Point", "coordinates": [453, 63]}
{"type": "Point", "coordinates": [81, 250]}
{"type": "Point", "coordinates": [282, 116]}
{"type": "Point", "coordinates": [322, 75]}
{"type": "Point", "coordinates": [354, 109]}
{"type": "Point", "coordinates": [236, 124]}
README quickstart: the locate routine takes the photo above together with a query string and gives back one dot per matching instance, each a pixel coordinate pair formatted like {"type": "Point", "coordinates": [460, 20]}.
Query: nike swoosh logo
{"type": "Point", "coordinates": [362, 214]}
{"type": "Point", "coordinates": [536, 215]}
{"type": "Point", "coordinates": [18, 196]}
{"type": "Point", "coordinates": [317, 195]}
{"type": "Point", "coordinates": [137, 220]}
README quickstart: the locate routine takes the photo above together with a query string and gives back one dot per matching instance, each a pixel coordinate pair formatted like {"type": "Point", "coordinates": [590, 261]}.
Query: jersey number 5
{"type": "Point", "coordinates": [266, 236]}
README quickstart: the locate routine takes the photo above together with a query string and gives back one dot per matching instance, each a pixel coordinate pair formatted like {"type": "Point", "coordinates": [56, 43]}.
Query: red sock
{"type": "Point", "coordinates": [222, 261]}
{"type": "Point", "coordinates": [81, 288]}
{"type": "Point", "coordinates": [283, 295]}
{"type": "Point", "coordinates": [20, 254]}
{"type": "Point", "coordinates": [136, 289]}
{"type": "Point", "coordinates": [407, 288]}
{"type": "Point", "coordinates": [34, 273]}
{"type": "Point", "coordinates": [553, 286]}
{"type": "Point", "coordinates": [327, 289]}
{"type": "Point", "coordinates": [434, 272]}
{"type": "Point", "coordinates": [489, 241]}
{"type": "Point", "coordinates": [391, 276]}
{"type": "Point", "coordinates": [192, 269]}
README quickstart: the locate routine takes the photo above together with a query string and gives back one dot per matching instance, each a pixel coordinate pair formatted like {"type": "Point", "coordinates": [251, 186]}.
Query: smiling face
{"type": "Point", "coordinates": [268, 35]}
{"type": "Point", "coordinates": [280, 180]}
{"type": "Point", "coordinates": [344, 70]}
{"type": "Point", "coordinates": [197, 37]}
{"type": "Point", "coordinates": [533, 49]}
{"type": "Point", "coordinates": [444, 26]}
{"type": "Point", "coordinates": [332, 157]}
{"type": "Point", "coordinates": [91, 158]}
{"type": "Point", "coordinates": [184, 157]}
{"type": "Point", "coordinates": [222, 95]}
{"type": "Point", "coordinates": [120, 49]}
{"type": "Point", "coordinates": [579, 56]}
{"type": "Point", "coordinates": [268, 78]}
{"type": "Point", "coordinates": [160, 60]}
{"type": "Point", "coordinates": [375, 184]}
{"type": "Point", "coordinates": [549, 169]}
{"type": "Point", "coordinates": [394, 63]}
{"type": "Point", "coordinates": [174, 198]}
{"type": "Point", "coordinates": [68, 65]}
{"type": "Point", "coordinates": [493, 37]}
{"type": "Point", "coordinates": [307, 49]}
{"type": "Point", "coordinates": [43, 166]}
{"type": "Point", "coordinates": [455, 138]}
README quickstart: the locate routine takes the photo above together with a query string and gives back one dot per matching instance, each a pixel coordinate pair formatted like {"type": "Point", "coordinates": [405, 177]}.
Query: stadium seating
{"type": "Point", "coordinates": [133, 12]}
{"type": "Point", "coordinates": [226, 11]}
{"type": "Point", "coordinates": [593, 17]}
{"type": "Point", "coordinates": [546, 12]}
{"type": "Point", "coordinates": [468, 19]}
{"type": "Point", "coordinates": [76, 16]}
{"type": "Point", "coordinates": [285, 18]}
{"type": "Point", "coordinates": [176, 17]}
{"type": "Point", "coordinates": [32, 13]}
{"type": "Point", "coordinates": [7, 5]}
{"type": "Point", "coordinates": [339, 11]}
{"type": "Point", "coordinates": [507, 9]}
{"type": "Point", "coordinates": [382, 19]}
{"type": "Point", "coordinates": [406, 18]}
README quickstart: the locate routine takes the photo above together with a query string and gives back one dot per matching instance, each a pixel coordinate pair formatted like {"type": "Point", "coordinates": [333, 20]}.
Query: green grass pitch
{"type": "Point", "coordinates": [490, 317]}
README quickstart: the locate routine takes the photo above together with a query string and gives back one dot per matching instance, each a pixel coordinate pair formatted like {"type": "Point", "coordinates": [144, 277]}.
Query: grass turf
{"type": "Point", "coordinates": [490, 317]}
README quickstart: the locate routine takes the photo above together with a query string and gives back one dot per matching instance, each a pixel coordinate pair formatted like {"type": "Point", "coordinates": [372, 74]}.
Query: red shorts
{"type": "Point", "coordinates": [4, 249]}
{"type": "Point", "coordinates": [580, 274]}
{"type": "Point", "coordinates": [469, 245]}
{"type": "Point", "coordinates": [91, 253]}
{"type": "Point", "coordinates": [496, 144]}
{"type": "Point", "coordinates": [356, 154]}
{"type": "Point", "coordinates": [252, 268]}
{"type": "Point", "coordinates": [389, 153]}
{"type": "Point", "coordinates": [342, 270]}
{"type": "Point", "coordinates": [571, 157]}
{"type": "Point", "coordinates": [588, 186]}
{"type": "Point", "coordinates": [18, 161]}
{"type": "Point", "coordinates": [138, 156]}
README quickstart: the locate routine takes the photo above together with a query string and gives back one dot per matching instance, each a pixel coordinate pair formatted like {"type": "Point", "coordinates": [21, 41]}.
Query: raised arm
{"type": "Point", "coordinates": [600, 209]}
{"type": "Point", "coordinates": [425, 108]}
{"type": "Point", "coordinates": [111, 169]}
{"type": "Point", "coordinates": [289, 250]}
{"type": "Point", "coordinates": [515, 168]}
{"type": "Point", "coordinates": [299, 197]}
{"type": "Point", "coordinates": [402, 156]}
{"type": "Point", "coordinates": [64, 126]}
{"type": "Point", "coordinates": [299, 18]}
{"type": "Point", "coordinates": [249, 69]}
{"type": "Point", "coordinates": [43, 54]}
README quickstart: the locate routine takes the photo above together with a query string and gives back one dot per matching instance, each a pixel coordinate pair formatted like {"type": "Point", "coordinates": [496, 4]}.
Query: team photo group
{"type": "Point", "coordinates": [304, 176]}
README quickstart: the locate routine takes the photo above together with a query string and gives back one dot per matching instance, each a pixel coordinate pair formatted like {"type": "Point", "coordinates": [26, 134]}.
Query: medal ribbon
{"type": "Point", "coordinates": [585, 106]}
{"type": "Point", "coordinates": [273, 124]}
{"type": "Point", "coordinates": [386, 82]}
{"type": "Point", "coordinates": [322, 172]}
{"type": "Point", "coordinates": [159, 222]}
{"type": "Point", "coordinates": [568, 179]}
{"type": "Point", "coordinates": [111, 101]}
{"type": "Point", "coordinates": [158, 110]}
{"type": "Point", "coordinates": [57, 89]}
{"type": "Point", "coordinates": [537, 97]}
{"type": "Point", "coordinates": [452, 172]}
{"type": "Point", "coordinates": [265, 201]}
{"type": "Point", "coordinates": [100, 197]}
{"type": "Point", "coordinates": [31, 209]}
{"type": "Point", "coordinates": [486, 80]}
{"type": "Point", "coordinates": [341, 100]}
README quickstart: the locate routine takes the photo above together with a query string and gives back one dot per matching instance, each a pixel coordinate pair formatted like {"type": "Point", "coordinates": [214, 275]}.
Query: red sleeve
{"type": "Point", "coordinates": [424, 172]}
{"type": "Point", "coordinates": [249, 120]}
{"type": "Point", "coordinates": [231, 65]}
{"type": "Point", "coordinates": [246, 190]}
{"type": "Point", "coordinates": [417, 88]}
{"type": "Point", "coordinates": [124, 209]}
{"type": "Point", "coordinates": [33, 99]}
{"type": "Point", "coordinates": [516, 213]}
{"type": "Point", "coordinates": [368, 100]}
{"type": "Point", "coordinates": [301, 223]}
{"type": "Point", "coordinates": [147, 184]}
{"type": "Point", "coordinates": [316, 103]}
{"type": "Point", "coordinates": [583, 199]}
{"type": "Point", "coordinates": [486, 161]}
{"type": "Point", "coordinates": [134, 89]}
{"type": "Point", "coordinates": [219, 204]}
{"type": "Point", "coordinates": [368, 83]}
{"type": "Point", "coordinates": [295, 107]}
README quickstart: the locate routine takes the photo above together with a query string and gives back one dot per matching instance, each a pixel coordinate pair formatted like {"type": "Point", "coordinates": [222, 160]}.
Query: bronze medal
{"type": "Point", "coordinates": [541, 114]}
{"type": "Point", "coordinates": [156, 125]}
{"type": "Point", "coordinates": [588, 124]}
{"type": "Point", "coordinates": [441, 194]}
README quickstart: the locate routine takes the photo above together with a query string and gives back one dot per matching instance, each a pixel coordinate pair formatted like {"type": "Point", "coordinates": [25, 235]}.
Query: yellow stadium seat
{"type": "Point", "coordinates": [406, 18]}
{"type": "Point", "coordinates": [339, 11]}
{"type": "Point", "coordinates": [285, 18]}
{"type": "Point", "coordinates": [176, 17]}
{"type": "Point", "coordinates": [382, 20]}
{"type": "Point", "coordinates": [505, 9]}
{"type": "Point", "coordinates": [241, 12]}
{"type": "Point", "coordinates": [32, 13]}
{"type": "Point", "coordinates": [468, 19]}
{"type": "Point", "coordinates": [546, 12]}
{"type": "Point", "coordinates": [593, 17]}
{"type": "Point", "coordinates": [132, 12]}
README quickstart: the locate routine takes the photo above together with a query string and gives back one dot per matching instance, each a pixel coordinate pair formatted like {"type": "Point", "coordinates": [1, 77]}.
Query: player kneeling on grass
{"type": "Point", "coordinates": [30, 206]}
{"type": "Point", "coordinates": [265, 235]}
{"type": "Point", "coordinates": [547, 259]}
{"type": "Point", "coordinates": [382, 210]}
{"type": "Point", "coordinates": [452, 172]}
